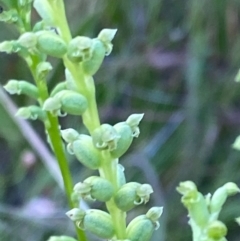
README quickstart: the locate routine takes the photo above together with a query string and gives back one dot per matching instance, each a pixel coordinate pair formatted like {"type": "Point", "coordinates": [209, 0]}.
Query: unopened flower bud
{"type": "Point", "coordinates": [231, 188]}
{"type": "Point", "coordinates": [142, 227]}
{"type": "Point", "coordinates": [133, 121]}
{"type": "Point", "coordinates": [70, 135]}
{"type": "Point", "coordinates": [43, 69]}
{"type": "Point", "coordinates": [220, 196]}
{"type": "Point", "coordinates": [95, 188]}
{"type": "Point", "coordinates": [85, 152]}
{"type": "Point", "coordinates": [21, 87]}
{"type": "Point", "coordinates": [106, 36]}
{"type": "Point", "coordinates": [216, 230]}
{"type": "Point", "coordinates": [188, 189]}
{"type": "Point", "coordinates": [61, 238]}
{"type": "Point", "coordinates": [105, 137]}
{"type": "Point", "coordinates": [51, 44]}
{"type": "Point", "coordinates": [72, 102]}
{"type": "Point", "coordinates": [31, 112]}
{"type": "Point", "coordinates": [154, 213]}
{"type": "Point", "coordinates": [195, 202]}
{"type": "Point", "coordinates": [125, 139]}
{"type": "Point", "coordinates": [92, 65]}
{"type": "Point", "coordinates": [28, 40]}
{"type": "Point", "coordinates": [131, 194]}
{"type": "Point", "coordinates": [99, 223]}
{"type": "Point", "coordinates": [76, 214]}
{"type": "Point", "coordinates": [53, 105]}
{"type": "Point", "coordinates": [80, 49]}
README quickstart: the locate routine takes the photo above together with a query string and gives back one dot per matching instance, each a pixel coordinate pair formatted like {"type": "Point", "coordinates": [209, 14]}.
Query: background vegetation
{"type": "Point", "coordinates": [174, 60]}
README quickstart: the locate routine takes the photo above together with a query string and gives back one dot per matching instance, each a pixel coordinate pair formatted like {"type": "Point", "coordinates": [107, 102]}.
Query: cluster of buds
{"type": "Point", "coordinates": [101, 149]}
{"type": "Point", "coordinates": [110, 142]}
{"type": "Point", "coordinates": [204, 211]}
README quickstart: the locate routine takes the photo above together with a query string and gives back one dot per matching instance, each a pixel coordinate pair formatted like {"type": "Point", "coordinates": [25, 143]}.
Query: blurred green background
{"type": "Point", "coordinates": [175, 61]}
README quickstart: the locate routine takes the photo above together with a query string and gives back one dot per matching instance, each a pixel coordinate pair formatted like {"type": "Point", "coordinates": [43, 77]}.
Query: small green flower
{"type": "Point", "coordinates": [95, 188]}
{"type": "Point", "coordinates": [51, 44]}
{"type": "Point", "coordinates": [22, 87]}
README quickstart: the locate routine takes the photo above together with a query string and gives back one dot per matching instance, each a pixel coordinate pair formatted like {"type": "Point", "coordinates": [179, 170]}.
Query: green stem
{"type": "Point", "coordinates": [86, 86]}
{"type": "Point", "coordinates": [109, 172]}
{"type": "Point", "coordinates": [52, 124]}
{"type": "Point", "coordinates": [52, 128]}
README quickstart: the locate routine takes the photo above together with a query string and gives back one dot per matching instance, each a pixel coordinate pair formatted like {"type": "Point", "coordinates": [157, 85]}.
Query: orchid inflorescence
{"type": "Point", "coordinates": [101, 149]}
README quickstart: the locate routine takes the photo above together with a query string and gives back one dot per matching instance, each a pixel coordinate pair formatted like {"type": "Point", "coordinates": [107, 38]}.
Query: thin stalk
{"type": "Point", "coordinates": [52, 124]}
{"type": "Point", "coordinates": [109, 171]}
{"type": "Point", "coordinates": [86, 86]}
{"type": "Point", "coordinates": [52, 128]}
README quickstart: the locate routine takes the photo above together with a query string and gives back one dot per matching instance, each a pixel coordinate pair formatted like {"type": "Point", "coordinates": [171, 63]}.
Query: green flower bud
{"type": "Point", "coordinates": [99, 223]}
{"type": "Point", "coordinates": [31, 112]}
{"type": "Point", "coordinates": [216, 230]}
{"type": "Point", "coordinates": [79, 49]}
{"type": "Point", "coordinates": [92, 65]}
{"type": "Point", "coordinates": [61, 238]}
{"type": "Point", "coordinates": [60, 86]}
{"type": "Point", "coordinates": [231, 188]}
{"type": "Point", "coordinates": [43, 69]}
{"type": "Point", "coordinates": [53, 105]}
{"type": "Point", "coordinates": [70, 135]}
{"type": "Point", "coordinates": [106, 36]}
{"type": "Point", "coordinates": [105, 137]}
{"type": "Point", "coordinates": [76, 214]}
{"type": "Point", "coordinates": [133, 121]}
{"type": "Point", "coordinates": [121, 180]}
{"type": "Point", "coordinates": [188, 189]}
{"type": "Point", "coordinates": [51, 44]}
{"type": "Point", "coordinates": [195, 202]}
{"type": "Point", "coordinates": [131, 194]}
{"type": "Point", "coordinates": [220, 196]}
{"type": "Point", "coordinates": [22, 87]}
{"type": "Point", "coordinates": [142, 227]}
{"type": "Point", "coordinates": [154, 213]}
{"type": "Point", "coordinates": [141, 231]}
{"type": "Point", "coordinates": [72, 102]}
{"type": "Point", "coordinates": [69, 101]}
{"type": "Point", "coordinates": [85, 152]}
{"type": "Point", "coordinates": [125, 140]}
{"type": "Point", "coordinates": [95, 188]}
{"type": "Point", "coordinates": [7, 47]}
{"type": "Point", "coordinates": [28, 40]}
